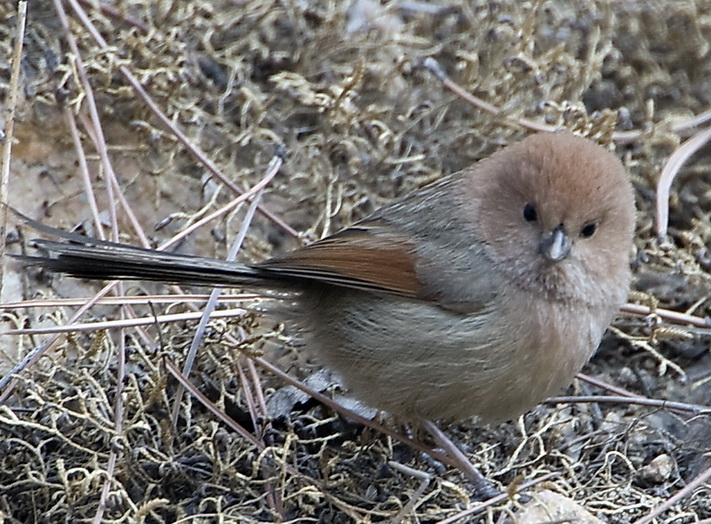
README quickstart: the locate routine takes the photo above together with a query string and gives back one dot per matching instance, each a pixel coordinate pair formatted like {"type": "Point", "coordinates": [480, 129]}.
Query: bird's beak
{"type": "Point", "coordinates": [555, 246]}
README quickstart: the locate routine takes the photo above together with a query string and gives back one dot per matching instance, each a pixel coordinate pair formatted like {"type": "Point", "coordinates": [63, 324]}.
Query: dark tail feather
{"type": "Point", "coordinates": [92, 258]}
{"type": "Point", "coordinates": [99, 260]}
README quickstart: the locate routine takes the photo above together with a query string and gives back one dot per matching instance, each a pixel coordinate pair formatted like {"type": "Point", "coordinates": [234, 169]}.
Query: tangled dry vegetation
{"type": "Point", "coordinates": [341, 86]}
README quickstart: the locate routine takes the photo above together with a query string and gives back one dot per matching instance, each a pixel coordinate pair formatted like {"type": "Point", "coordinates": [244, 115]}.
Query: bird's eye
{"type": "Point", "coordinates": [588, 230]}
{"type": "Point", "coordinates": [529, 213]}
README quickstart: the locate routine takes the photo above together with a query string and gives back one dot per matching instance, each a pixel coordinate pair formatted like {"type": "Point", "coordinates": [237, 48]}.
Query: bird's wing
{"type": "Point", "coordinates": [369, 256]}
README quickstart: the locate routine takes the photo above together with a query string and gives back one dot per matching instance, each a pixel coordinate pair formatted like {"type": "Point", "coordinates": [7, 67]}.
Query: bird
{"type": "Point", "coordinates": [474, 297]}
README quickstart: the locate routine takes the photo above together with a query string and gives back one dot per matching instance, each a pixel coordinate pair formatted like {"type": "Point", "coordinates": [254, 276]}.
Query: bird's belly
{"type": "Point", "coordinates": [416, 360]}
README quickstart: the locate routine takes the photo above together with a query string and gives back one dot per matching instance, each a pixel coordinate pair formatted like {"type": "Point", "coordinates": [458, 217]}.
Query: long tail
{"type": "Point", "coordinates": [86, 257]}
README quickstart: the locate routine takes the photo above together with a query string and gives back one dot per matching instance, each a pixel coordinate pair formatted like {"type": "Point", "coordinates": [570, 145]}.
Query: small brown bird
{"type": "Point", "coordinates": [476, 296]}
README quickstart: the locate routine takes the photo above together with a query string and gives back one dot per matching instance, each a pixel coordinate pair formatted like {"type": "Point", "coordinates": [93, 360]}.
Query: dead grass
{"type": "Point", "coordinates": [341, 88]}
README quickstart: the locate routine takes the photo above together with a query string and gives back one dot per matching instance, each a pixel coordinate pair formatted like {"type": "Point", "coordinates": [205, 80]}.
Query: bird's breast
{"type": "Point", "coordinates": [417, 360]}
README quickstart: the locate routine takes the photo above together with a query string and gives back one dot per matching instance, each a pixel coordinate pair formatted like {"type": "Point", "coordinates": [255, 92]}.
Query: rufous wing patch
{"type": "Point", "coordinates": [357, 257]}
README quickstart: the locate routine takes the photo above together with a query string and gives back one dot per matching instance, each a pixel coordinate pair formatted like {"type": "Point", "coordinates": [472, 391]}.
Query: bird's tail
{"type": "Point", "coordinates": [86, 257]}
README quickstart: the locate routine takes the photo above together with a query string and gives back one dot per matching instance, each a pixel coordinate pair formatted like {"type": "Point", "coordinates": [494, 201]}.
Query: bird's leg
{"type": "Point", "coordinates": [482, 487]}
